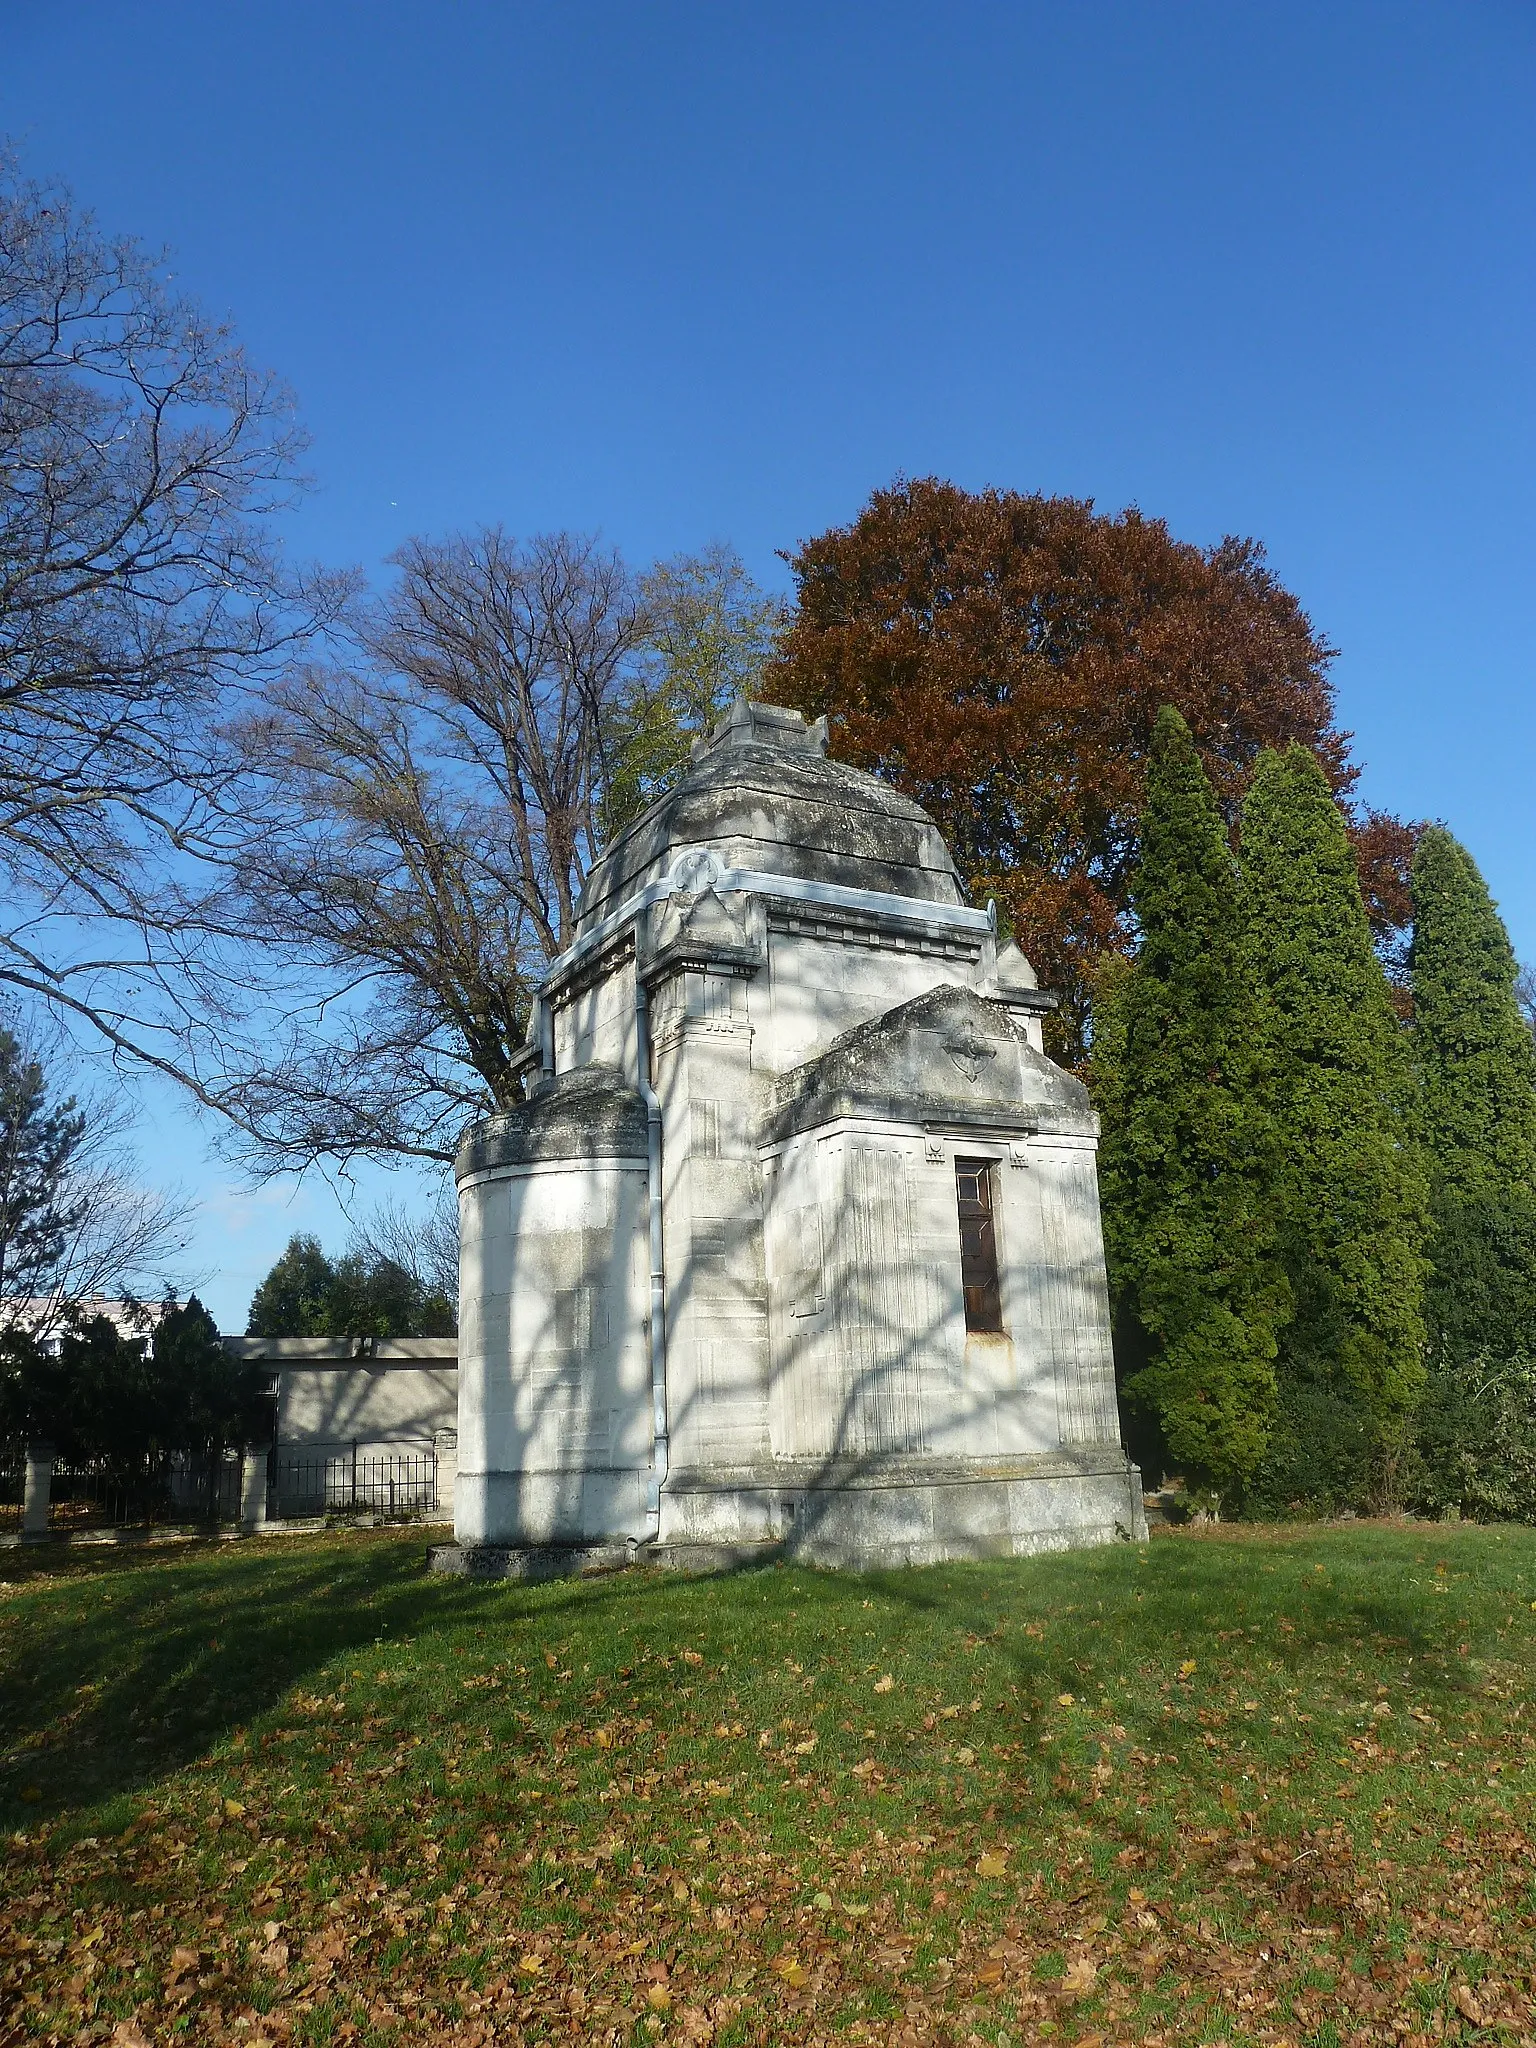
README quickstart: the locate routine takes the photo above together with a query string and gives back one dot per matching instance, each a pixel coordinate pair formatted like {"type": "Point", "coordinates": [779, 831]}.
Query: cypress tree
{"type": "Point", "coordinates": [1354, 1201]}
{"type": "Point", "coordinates": [1188, 1160]}
{"type": "Point", "coordinates": [1477, 1068]}
{"type": "Point", "coordinates": [1476, 1057]}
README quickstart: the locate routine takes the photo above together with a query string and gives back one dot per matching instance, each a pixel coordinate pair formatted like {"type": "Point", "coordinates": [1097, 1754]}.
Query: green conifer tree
{"type": "Point", "coordinates": [1477, 1069]}
{"type": "Point", "coordinates": [1351, 1367]}
{"type": "Point", "coordinates": [1476, 1056]}
{"type": "Point", "coordinates": [1188, 1159]}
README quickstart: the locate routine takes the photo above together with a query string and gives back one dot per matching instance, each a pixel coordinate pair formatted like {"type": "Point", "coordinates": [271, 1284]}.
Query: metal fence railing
{"type": "Point", "coordinates": [13, 1486]}
{"type": "Point", "coordinates": [399, 1485]}
{"type": "Point", "coordinates": [101, 1493]}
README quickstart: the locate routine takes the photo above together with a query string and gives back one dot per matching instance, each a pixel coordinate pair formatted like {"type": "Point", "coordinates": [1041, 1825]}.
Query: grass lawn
{"type": "Point", "coordinates": [1249, 1785]}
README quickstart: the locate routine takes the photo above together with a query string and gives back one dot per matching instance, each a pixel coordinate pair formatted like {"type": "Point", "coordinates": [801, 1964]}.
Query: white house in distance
{"type": "Point", "coordinates": [796, 1241]}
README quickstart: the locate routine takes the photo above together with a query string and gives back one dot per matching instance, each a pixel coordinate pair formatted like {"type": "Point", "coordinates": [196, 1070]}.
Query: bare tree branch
{"type": "Point", "coordinates": [141, 597]}
{"type": "Point", "coordinates": [425, 816]}
{"type": "Point", "coordinates": [108, 1235]}
{"type": "Point", "coordinates": [425, 1244]}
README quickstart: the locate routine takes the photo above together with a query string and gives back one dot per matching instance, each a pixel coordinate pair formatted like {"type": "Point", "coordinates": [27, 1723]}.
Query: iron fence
{"type": "Point", "coordinates": [13, 1486]}
{"type": "Point", "coordinates": [102, 1493]}
{"type": "Point", "coordinates": [399, 1485]}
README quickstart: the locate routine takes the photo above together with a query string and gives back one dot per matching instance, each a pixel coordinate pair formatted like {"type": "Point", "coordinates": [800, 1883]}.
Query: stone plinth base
{"type": "Point", "coordinates": [535, 1562]}
{"type": "Point", "coordinates": [857, 1516]}
{"type": "Point", "coordinates": [891, 1512]}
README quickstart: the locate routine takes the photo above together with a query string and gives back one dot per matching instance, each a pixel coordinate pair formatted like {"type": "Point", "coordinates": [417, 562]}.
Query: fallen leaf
{"type": "Point", "coordinates": [234, 1808]}
{"type": "Point", "coordinates": [1082, 1973]}
{"type": "Point", "coordinates": [129, 2034]}
{"type": "Point", "coordinates": [794, 1976]}
{"type": "Point", "coordinates": [994, 1864]}
{"type": "Point", "coordinates": [1064, 1699]}
{"type": "Point", "coordinates": [659, 1998]}
{"type": "Point", "coordinates": [965, 1756]}
{"type": "Point", "coordinates": [805, 1748]}
{"type": "Point", "coordinates": [990, 1973]}
{"type": "Point", "coordinates": [183, 1960]}
{"type": "Point", "coordinates": [692, 1657]}
{"type": "Point", "coordinates": [1188, 1668]}
{"type": "Point", "coordinates": [551, 1659]}
{"type": "Point", "coordinates": [885, 1684]}
{"type": "Point", "coordinates": [274, 1956]}
{"type": "Point", "coordinates": [1467, 2005]}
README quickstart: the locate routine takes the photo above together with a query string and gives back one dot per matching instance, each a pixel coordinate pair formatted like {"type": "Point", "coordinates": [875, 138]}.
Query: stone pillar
{"type": "Point", "coordinates": [253, 1489]}
{"type": "Point", "coordinates": [717, 1320]}
{"type": "Point", "coordinates": [34, 1511]}
{"type": "Point", "coordinates": [446, 1445]}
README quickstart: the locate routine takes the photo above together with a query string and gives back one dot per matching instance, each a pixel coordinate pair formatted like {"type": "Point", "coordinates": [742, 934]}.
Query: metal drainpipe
{"type": "Point", "coordinates": [658, 1320]}
{"type": "Point", "coordinates": [546, 1034]}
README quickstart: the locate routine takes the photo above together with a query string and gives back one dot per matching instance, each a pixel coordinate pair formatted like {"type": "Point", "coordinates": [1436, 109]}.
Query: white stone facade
{"type": "Point", "coordinates": [796, 1241]}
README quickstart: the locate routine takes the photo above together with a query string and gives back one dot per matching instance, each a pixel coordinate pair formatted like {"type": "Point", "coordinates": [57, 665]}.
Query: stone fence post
{"type": "Point", "coordinates": [34, 1507]}
{"type": "Point", "coordinates": [446, 1444]}
{"type": "Point", "coordinates": [253, 1489]}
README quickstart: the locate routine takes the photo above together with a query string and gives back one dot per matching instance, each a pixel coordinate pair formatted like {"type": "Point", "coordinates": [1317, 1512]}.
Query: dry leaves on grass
{"type": "Point", "coordinates": [944, 1924]}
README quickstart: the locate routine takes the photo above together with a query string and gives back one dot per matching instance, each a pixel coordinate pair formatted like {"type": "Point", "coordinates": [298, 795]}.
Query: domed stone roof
{"type": "Point", "coordinates": [590, 1112]}
{"type": "Point", "coordinates": [761, 794]}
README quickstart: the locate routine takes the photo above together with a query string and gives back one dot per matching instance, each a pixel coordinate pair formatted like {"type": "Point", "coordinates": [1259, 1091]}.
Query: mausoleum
{"type": "Point", "coordinates": [796, 1240]}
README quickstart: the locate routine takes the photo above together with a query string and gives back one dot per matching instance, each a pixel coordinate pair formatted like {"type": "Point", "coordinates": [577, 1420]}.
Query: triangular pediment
{"type": "Point", "coordinates": [949, 1056]}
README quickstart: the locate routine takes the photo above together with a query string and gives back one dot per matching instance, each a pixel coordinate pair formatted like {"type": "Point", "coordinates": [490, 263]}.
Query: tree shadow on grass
{"type": "Point", "coordinates": [121, 1668]}
{"type": "Point", "coordinates": [140, 1661]}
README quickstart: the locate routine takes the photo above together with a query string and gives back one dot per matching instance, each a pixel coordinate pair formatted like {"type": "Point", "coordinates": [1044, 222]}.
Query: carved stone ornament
{"type": "Point", "coordinates": [969, 1050]}
{"type": "Point", "coordinates": [695, 871]}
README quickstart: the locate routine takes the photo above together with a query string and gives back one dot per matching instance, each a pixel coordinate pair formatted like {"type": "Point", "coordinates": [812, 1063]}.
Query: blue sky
{"type": "Point", "coordinates": [695, 271]}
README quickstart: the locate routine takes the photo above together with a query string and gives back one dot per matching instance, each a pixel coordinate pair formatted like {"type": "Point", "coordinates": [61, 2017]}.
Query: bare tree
{"type": "Point", "coordinates": [431, 806]}
{"type": "Point", "coordinates": [77, 1223]}
{"type": "Point", "coordinates": [429, 810]}
{"type": "Point", "coordinates": [425, 1243]}
{"type": "Point", "coordinates": [313, 894]}
{"type": "Point", "coordinates": [141, 456]}
{"type": "Point", "coordinates": [517, 654]}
